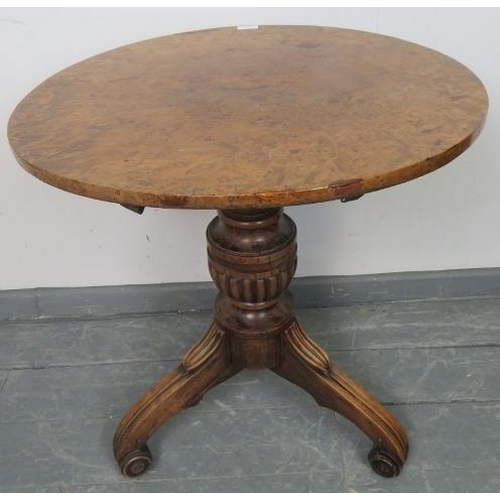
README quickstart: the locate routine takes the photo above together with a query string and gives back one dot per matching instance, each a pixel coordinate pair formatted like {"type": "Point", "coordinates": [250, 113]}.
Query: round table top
{"type": "Point", "coordinates": [245, 118]}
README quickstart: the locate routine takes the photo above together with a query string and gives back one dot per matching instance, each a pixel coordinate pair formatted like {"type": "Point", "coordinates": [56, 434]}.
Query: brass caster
{"type": "Point", "coordinates": [136, 462]}
{"type": "Point", "coordinates": [383, 463]}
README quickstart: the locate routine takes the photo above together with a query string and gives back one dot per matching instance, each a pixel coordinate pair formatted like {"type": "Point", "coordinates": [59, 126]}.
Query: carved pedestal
{"type": "Point", "coordinates": [252, 256]}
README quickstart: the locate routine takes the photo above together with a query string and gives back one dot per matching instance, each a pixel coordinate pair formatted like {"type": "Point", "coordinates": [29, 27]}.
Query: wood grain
{"type": "Point", "coordinates": [229, 118]}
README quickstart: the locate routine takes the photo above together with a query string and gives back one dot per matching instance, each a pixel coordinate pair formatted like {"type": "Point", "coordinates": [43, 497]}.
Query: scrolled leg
{"type": "Point", "coordinates": [205, 365]}
{"type": "Point", "coordinates": [307, 365]}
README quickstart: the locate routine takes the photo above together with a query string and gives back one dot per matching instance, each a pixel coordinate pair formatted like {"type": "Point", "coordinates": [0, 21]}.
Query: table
{"type": "Point", "coordinates": [248, 121]}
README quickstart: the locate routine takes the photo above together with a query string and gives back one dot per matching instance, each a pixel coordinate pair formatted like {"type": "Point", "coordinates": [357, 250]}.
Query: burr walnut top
{"type": "Point", "coordinates": [245, 118]}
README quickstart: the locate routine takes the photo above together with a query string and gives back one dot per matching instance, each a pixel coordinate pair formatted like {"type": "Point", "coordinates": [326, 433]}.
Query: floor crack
{"type": "Point", "coordinates": [4, 382]}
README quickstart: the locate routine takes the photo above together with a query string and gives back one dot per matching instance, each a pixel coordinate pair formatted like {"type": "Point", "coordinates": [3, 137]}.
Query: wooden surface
{"type": "Point", "coordinates": [230, 118]}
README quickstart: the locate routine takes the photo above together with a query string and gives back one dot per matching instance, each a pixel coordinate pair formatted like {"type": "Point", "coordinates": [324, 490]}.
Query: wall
{"type": "Point", "coordinates": [49, 238]}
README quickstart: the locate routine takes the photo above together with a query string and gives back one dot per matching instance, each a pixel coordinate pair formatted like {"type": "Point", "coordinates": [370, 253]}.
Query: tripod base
{"type": "Point", "coordinates": [252, 258]}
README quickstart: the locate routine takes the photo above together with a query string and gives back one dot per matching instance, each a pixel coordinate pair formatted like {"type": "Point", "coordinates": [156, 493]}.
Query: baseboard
{"type": "Point", "coordinates": [322, 291]}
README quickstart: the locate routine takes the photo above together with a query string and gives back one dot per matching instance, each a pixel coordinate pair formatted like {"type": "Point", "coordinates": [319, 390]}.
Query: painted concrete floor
{"type": "Point", "coordinates": [64, 385]}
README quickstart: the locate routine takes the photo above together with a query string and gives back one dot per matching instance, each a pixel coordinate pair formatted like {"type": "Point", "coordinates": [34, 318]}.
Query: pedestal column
{"type": "Point", "coordinates": [252, 256]}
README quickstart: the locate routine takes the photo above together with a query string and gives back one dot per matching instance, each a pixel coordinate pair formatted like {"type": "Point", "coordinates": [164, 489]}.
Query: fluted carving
{"type": "Point", "coordinates": [203, 350]}
{"type": "Point", "coordinates": [257, 289]}
{"type": "Point", "coordinates": [249, 262]}
{"type": "Point", "coordinates": [310, 352]}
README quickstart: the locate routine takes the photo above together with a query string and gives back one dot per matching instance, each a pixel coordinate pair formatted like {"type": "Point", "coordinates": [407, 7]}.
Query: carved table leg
{"type": "Point", "coordinates": [306, 364]}
{"type": "Point", "coordinates": [205, 365]}
{"type": "Point", "coordinates": [252, 256]}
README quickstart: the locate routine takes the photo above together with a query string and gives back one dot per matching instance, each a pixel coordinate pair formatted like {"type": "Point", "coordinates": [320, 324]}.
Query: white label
{"type": "Point", "coordinates": [253, 27]}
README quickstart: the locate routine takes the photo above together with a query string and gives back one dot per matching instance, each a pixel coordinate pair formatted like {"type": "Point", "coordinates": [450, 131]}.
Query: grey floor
{"type": "Point", "coordinates": [65, 383]}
